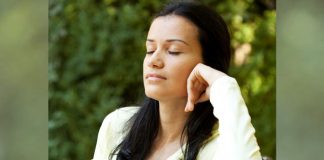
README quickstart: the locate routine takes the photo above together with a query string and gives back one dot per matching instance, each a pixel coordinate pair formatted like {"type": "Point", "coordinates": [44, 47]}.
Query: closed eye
{"type": "Point", "coordinates": [149, 52]}
{"type": "Point", "coordinates": [174, 53]}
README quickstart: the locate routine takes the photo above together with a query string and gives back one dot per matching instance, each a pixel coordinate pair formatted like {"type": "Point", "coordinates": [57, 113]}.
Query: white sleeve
{"type": "Point", "coordinates": [236, 133]}
{"type": "Point", "coordinates": [111, 131]}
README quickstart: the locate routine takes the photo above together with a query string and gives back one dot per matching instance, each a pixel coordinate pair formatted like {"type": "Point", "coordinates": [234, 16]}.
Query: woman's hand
{"type": "Point", "coordinates": [198, 84]}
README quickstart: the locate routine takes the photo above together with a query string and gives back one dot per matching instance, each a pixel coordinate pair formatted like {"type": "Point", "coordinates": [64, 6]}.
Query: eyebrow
{"type": "Point", "coordinates": [170, 40]}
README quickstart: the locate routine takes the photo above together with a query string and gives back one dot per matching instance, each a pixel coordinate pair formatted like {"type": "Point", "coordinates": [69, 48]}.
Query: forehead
{"type": "Point", "coordinates": [173, 27]}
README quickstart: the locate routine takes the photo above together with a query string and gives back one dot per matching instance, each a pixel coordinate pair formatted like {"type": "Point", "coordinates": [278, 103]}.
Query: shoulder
{"type": "Point", "coordinates": [124, 111]}
{"type": "Point", "coordinates": [120, 116]}
{"type": "Point", "coordinates": [114, 122]}
{"type": "Point", "coordinates": [111, 130]}
{"type": "Point", "coordinates": [112, 127]}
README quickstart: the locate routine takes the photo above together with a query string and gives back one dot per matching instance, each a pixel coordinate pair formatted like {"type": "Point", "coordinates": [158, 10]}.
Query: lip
{"type": "Point", "coordinates": [154, 76]}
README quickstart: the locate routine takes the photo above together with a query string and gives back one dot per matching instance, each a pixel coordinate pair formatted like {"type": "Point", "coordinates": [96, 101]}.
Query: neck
{"type": "Point", "coordinates": [172, 120]}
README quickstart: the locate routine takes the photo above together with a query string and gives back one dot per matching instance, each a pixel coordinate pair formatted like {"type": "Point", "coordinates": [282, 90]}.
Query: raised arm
{"type": "Point", "coordinates": [236, 133]}
{"type": "Point", "coordinates": [236, 140]}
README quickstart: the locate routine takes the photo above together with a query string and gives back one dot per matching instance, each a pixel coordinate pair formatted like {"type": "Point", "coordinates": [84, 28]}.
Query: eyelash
{"type": "Point", "coordinates": [151, 52]}
{"type": "Point", "coordinates": [172, 53]}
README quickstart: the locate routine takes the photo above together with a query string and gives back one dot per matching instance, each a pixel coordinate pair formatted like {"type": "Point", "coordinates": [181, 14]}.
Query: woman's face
{"type": "Point", "coordinates": [173, 50]}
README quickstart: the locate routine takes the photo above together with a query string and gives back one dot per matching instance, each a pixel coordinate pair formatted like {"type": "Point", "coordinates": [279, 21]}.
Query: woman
{"type": "Point", "coordinates": [194, 110]}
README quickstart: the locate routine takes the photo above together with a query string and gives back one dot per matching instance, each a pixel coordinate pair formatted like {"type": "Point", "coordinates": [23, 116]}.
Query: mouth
{"type": "Point", "coordinates": [153, 76]}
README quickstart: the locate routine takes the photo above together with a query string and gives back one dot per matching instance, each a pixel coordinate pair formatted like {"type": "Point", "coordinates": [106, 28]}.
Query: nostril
{"type": "Point", "coordinates": [155, 62]}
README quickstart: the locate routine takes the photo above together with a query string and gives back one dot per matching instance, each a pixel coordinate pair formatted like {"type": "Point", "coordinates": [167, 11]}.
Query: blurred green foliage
{"type": "Point", "coordinates": [96, 50]}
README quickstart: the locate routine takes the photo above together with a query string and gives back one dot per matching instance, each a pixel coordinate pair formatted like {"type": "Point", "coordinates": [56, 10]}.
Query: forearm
{"type": "Point", "coordinates": [236, 133]}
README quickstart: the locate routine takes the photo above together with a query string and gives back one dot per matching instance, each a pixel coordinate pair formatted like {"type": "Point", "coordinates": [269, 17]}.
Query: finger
{"type": "Point", "coordinates": [203, 98]}
{"type": "Point", "coordinates": [191, 97]}
{"type": "Point", "coordinates": [190, 85]}
{"type": "Point", "coordinates": [194, 96]}
{"type": "Point", "coordinates": [189, 106]}
{"type": "Point", "coordinates": [199, 91]}
{"type": "Point", "coordinates": [190, 101]}
{"type": "Point", "coordinates": [196, 85]}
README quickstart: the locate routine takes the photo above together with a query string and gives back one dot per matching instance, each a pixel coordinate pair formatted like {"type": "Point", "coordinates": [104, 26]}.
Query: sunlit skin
{"type": "Point", "coordinates": [174, 75]}
{"type": "Point", "coordinates": [172, 53]}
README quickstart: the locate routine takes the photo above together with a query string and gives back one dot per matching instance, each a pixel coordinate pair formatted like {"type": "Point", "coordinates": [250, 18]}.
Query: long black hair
{"type": "Point", "coordinates": [143, 126]}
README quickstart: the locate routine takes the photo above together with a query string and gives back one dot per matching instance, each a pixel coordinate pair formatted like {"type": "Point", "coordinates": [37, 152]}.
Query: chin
{"type": "Point", "coordinates": [153, 95]}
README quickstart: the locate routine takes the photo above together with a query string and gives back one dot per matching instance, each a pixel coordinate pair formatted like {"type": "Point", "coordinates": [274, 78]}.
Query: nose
{"type": "Point", "coordinates": [155, 60]}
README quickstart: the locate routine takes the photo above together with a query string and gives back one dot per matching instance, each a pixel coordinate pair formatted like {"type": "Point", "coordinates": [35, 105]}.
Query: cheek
{"type": "Point", "coordinates": [144, 61]}
{"type": "Point", "coordinates": [182, 70]}
{"type": "Point", "coordinates": [181, 83]}
{"type": "Point", "coordinates": [144, 65]}
{"type": "Point", "coordinates": [181, 74]}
